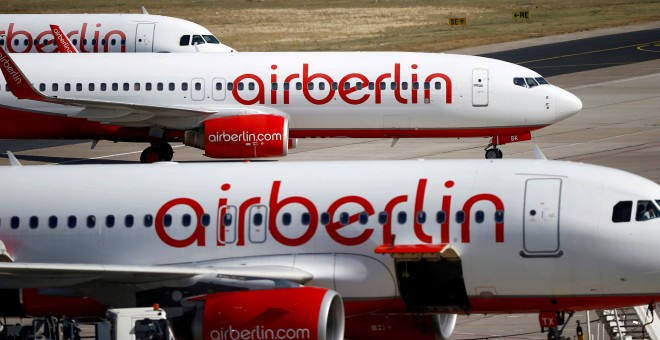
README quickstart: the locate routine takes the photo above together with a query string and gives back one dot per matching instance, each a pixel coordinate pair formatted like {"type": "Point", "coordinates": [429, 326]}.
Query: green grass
{"type": "Point", "coordinates": [407, 25]}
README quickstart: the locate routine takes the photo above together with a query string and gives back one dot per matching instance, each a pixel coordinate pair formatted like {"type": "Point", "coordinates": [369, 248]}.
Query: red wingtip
{"type": "Point", "coordinates": [19, 85]}
{"type": "Point", "coordinates": [64, 45]}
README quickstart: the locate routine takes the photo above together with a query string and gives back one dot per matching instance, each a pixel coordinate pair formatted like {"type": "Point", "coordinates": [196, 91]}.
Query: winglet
{"type": "Point", "coordinates": [19, 85]}
{"type": "Point", "coordinates": [64, 45]}
{"type": "Point", "coordinates": [13, 160]}
{"type": "Point", "coordinates": [538, 154]}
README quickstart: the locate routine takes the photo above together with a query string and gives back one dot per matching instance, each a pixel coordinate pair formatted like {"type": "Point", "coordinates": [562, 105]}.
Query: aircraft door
{"type": "Point", "coordinates": [227, 219]}
{"type": "Point", "coordinates": [144, 38]}
{"type": "Point", "coordinates": [541, 217]}
{"type": "Point", "coordinates": [479, 87]}
{"type": "Point", "coordinates": [257, 219]}
{"type": "Point", "coordinates": [197, 89]}
{"type": "Point", "coordinates": [218, 89]}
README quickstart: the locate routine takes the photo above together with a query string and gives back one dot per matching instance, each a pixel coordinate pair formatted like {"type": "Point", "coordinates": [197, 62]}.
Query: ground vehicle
{"type": "Point", "coordinates": [120, 324]}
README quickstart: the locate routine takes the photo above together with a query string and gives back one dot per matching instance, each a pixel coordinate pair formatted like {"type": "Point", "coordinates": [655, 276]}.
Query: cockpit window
{"type": "Point", "coordinates": [646, 210]}
{"type": "Point", "coordinates": [541, 81]}
{"type": "Point", "coordinates": [211, 39]}
{"type": "Point", "coordinates": [531, 82]}
{"type": "Point", "coordinates": [519, 82]}
{"type": "Point", "coordinates": [622, 211]}
{"type": "Point", "coordinates": [185, 40]}
{"type": "Point", "coordinates": [197, 40]}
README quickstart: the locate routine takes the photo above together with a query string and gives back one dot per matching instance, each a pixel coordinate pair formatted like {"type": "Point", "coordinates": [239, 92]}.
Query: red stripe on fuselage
{"type": "Point", "coordinates": [463, 132]}
{"type": "Point", "coordinates": [18, 124]}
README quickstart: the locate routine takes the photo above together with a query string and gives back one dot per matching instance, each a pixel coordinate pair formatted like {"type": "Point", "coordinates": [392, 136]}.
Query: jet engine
{"type": "Point", "coordinates": [244, 136]}
{"type": "Point", "coordinates": [288, 313]}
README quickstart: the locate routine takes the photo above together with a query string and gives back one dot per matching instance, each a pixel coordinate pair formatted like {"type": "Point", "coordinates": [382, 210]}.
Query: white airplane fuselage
{"type": "Point", "coordinates": [529, 235]}
{"type": "Point", "coordinates": [106, 33]}
{"type": "Point", "coordinates": [398, 95]}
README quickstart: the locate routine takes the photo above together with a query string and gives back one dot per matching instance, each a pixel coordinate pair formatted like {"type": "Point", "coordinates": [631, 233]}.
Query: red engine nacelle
{"type": "Point", "coordinates": [288, 313]}
{"type": "Point", "coordinates": [245, 136]}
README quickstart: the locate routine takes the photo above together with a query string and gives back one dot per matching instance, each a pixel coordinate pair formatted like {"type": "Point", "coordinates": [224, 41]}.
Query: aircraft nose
{"type": "Point", "coordinates": [567, 104]}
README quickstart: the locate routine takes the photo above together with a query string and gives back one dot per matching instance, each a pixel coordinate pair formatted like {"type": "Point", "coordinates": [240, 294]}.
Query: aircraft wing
{"type": "Point", "coordinates": [41, 275]}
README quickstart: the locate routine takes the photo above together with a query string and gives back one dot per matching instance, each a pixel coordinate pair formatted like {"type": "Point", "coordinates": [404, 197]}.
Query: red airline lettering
{"type": "Point", "coordinates": [277, 204]}
{"type": "Point", "coordinates": [348, 89]}
{"type": "Point", "coordinates": [25, 41]}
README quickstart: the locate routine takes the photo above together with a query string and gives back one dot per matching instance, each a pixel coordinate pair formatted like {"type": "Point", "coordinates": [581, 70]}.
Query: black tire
{"type": "Point", "coordinates": [166, 152]}
{"type": "Point", "coordinates": [492, 154]}
{"type": "Point", "coordinates": [150, 155]}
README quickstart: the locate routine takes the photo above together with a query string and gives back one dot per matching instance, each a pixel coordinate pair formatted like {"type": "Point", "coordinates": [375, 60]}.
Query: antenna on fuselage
{"type": "Point", "coordinates": [144, 11]}
{"type": "Point", "coordinates": [13, 160]}
{"type": "Point", "coordinates": [538, 154]}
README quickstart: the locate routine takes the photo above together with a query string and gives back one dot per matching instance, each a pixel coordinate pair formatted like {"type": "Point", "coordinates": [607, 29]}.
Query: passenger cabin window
{"type": "Point", "coordinates": [622, 212]}
{"type": "Point", "coordinates": [52, 222]}
{"type": "Point", "coordinates": [186, 220]}
{"type": "Point", "coordinates": [460, 216]}
{"type": "Point", "coordinates": [306, 218]}
{"type": "Point", "coordinates": [34, 222]}
{"type": "Point", "coordinates": [344, 218]}
{"type": "Point", "coordinates": [646, 210]}
{"type": "Point", "coordinates": [325, 218]}
{"type": "Point", "coordinates": [14, 222]}
{"type": "Point", "coordinates": [110, 221]}
{"type": "Point", "coordinates": [72, 221]}
{"type": "Point", "coordinates": [206, 220]}
{"type": "Point", "coordinates": [499, 216]}
{"type": "Point", "coordinates": [148, 220]}
{"type": "Point", "coordinates": [364, 218]}
{"type": "Point", "coordinates": [129, 220]}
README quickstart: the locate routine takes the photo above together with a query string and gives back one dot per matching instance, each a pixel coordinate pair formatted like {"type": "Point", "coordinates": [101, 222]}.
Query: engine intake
{"type": "Point", "coordinates": [245, 136]}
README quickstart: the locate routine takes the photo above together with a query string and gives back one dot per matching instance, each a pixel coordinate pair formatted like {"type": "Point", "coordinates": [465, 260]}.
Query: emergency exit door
{"type": "Point", "coordinates": [144, 38]}
{"type": "Point", "coordinates": [541, 229]}
{"type": "Point", "coordinates": [479, 87]}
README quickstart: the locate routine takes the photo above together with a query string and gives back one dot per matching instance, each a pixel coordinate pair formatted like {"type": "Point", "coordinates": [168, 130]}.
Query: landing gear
{"type": "Point", "coordinates": [157, 152]}
{"type": "Point", "coordinates": [494, 152]}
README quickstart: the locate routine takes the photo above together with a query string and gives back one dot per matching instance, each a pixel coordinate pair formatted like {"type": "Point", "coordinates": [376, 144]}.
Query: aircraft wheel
{"type": "Point", "coordinates": [492, 154]}
{"type": "Point", "coordinates": [150, 155]}
{"type": "Point", "coordinates": [166, 152]}
{"type": "Point", "coordinates": [499, 153]}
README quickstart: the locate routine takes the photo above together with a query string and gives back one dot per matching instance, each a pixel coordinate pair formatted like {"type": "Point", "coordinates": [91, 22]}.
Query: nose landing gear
{"type": "Point", "coordinates": [494, 152]}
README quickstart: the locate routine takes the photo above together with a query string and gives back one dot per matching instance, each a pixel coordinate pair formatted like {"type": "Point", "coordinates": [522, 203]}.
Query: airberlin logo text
{"type": "Point", "coordinates": [244, 136]}
{"type": "Point", "coordinates": [8, 69]}
{"type": "Point", "coordinates": [232, 218]}
{"type": "Point", "coordinates": [353, 88]}
{"type": "Point", "coordinates": [22, 41]}
{"type": "Point", "coordinates": [62, 41]}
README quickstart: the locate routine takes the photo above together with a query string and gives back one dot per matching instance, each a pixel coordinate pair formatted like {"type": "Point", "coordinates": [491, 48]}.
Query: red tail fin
{"type": "Point", "coordinates": [19, 85]}
{"type": "Point", "coordinates": [64, 45]}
